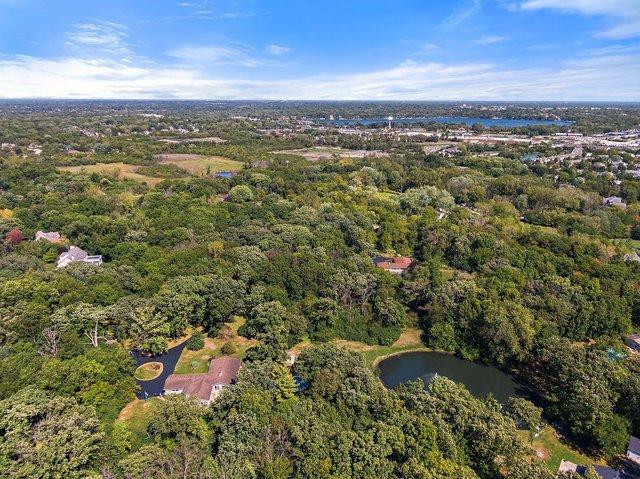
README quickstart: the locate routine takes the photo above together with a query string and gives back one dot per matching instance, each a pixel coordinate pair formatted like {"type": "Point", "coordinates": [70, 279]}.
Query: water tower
{"type": "Point", "coordinates": [389, 119]}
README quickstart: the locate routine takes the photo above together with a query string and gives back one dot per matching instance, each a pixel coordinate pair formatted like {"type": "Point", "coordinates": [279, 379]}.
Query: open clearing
{"type": "Point", "coordinates": [119, 170]}
{"type": "Point", "coordinates": [552, 449]}
{"type": "Point", "coordinates": [199, 165]}
{"type": "Point", "coordinates": [176, 141]}
{"type": "Point", "coordinates": [320, 153]}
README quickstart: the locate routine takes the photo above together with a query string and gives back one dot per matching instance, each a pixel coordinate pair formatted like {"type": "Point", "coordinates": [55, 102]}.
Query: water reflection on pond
{"type": "Point", "coordinates": [478, 378]}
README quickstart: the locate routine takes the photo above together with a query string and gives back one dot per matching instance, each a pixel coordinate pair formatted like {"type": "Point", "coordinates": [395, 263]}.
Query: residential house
{"type": "Point", "coordinates": [76, 254]}
{"type": "Point", "coordinates": [633, 450]}
{"type": "Point", "coordinates": [633, 256]}
{"type": "Point", "coordinates": [206, 386]}
{"type": "Point", "coordinates": [394, 265]}
{"type": "Point", "coordinates": [633, 341]}
{"type": "Point", "coordinates": [568, 467]}
{"type": "Point", "coordinates": [614, 201]}
{"type": "Point", "coordinates": [51, 236]}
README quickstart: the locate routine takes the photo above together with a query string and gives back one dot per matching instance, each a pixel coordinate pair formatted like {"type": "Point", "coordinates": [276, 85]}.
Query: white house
{"type": "Point", "coordinates": [76, 254]}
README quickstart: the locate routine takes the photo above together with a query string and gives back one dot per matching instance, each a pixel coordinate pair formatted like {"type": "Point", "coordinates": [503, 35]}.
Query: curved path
{"type": "Point", "coordinates": [169, 360]}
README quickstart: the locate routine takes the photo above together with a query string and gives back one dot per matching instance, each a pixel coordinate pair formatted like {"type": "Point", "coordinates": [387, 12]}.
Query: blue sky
{"type": "Point", "coordinates": [324, 49]}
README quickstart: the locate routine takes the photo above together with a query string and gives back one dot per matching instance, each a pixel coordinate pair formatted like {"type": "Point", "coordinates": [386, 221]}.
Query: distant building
{"type": "Point", "coordinates": [51, 236]}
{"type": "Point", "coordinates": [206, 386]}
{"type": "Point", "coordinates": [634, 256]}
{"type": "Point", "coordinates": [568, 467]}
{"type": "Point", "coordinates": [394, 265]}
{"type": "Point", "coordinates": [614, 201]}
{"type": "Point", "coordinates": [633, 341]}
{"type": "Point", "coordinates": [76, 254]}
{"type": "Point", "coordinates": [633, 450]}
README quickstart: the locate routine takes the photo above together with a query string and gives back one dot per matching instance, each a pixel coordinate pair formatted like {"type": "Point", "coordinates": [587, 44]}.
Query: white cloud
{"type": "Point", "coordinates": [106, 36]}
{"type": "Point", "coordinates": [467, 10]}
{"type": "Point", "coordinates": [215, 54]}
{"type": "Point", "coordinates": [490, 39]}
{"type": "Point", "coordinates": [274, 49]}
{"type": "Point", "coordinates": [593, 77]}
{"type": "Point", "coordinates": [624, 15]}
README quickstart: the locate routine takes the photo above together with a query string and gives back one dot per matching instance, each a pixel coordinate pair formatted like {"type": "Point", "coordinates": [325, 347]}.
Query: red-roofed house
{"type": "Point", "coordinates": [206, 386]}
{"type": "Point", "coordinates": [394, 265]}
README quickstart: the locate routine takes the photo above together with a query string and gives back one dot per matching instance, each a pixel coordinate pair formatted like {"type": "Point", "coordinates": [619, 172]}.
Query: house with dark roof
{"type": "Point", "coordinates": [76, 254]}
{"type": "Point", "coordinates": [633, 341]}
{"type": "Point", "coordinates": [568, 467]}
{"type": "Point", "coordinates": [396, 265]}
{"type": "Point", "coordinates": [205, 386]}
{"type": "Point", "coordinates": [633, 450]}
{"type": "Point", "coordinates": [50, 236]}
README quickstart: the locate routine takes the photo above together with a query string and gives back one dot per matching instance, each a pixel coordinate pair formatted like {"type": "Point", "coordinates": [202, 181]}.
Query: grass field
{"type": "Point", "coordinates": [199, 165]}
{"type": "Point", "coordinates": [553, 449]}
{"type": "Point", "coordinates": [119, 170]}
{"type": "Point", "coordinates": [148, 371]}
{"type": "Point", "coordinates": [193, 362]}
{"type": "Point", "coordinates": [320, 153]}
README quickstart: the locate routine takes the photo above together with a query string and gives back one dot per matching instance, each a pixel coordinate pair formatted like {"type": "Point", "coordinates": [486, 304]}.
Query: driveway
{"type": "Point", "coordinates": [168, 360]}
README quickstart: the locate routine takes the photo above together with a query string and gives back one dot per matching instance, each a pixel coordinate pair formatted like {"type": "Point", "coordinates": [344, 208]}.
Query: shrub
{"type": "Point", "coordinates": [228, 349]}
{"type": "Point", "coordinates": [196, 341]}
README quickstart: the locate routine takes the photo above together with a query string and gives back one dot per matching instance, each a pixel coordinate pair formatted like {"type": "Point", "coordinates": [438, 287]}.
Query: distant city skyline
{"type": "Point", "coordinates": [492, 50]}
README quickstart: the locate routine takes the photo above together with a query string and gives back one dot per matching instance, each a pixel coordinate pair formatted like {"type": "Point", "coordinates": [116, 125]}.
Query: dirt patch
{"type": "Point", "coordinates": [209, 139]}
{"type": "Point", "coordinates": [541, 452]}
{"type": "Point", "coordinates": [409, 337]}
{"type": "Point", "coordinates": [133, 409]}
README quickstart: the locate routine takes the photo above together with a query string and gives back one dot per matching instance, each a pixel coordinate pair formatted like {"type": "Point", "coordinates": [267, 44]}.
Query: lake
{"type": "Point", "coordinates": [478, 378]}
{"type": "Point", "coordinates": [448, 120]}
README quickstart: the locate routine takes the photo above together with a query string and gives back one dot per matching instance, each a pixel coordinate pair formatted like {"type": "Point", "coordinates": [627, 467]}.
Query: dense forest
{"type": "Point", "coordinates": [518, 266]}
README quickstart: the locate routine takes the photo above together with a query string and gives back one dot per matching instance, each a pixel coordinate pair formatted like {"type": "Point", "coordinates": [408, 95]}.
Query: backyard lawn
{"type": "Point", "coordinates": [553, 449]}
{"type": "Point", "coordinates": [193, 362]}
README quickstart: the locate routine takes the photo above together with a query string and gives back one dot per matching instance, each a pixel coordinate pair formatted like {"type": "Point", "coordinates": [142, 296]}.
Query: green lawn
{"type": "Point", "coordinates": [553, 449]}
{"type": "Point", "coordinates": [148, 371]}
{"type": "Point", "coordinates": [194, 362]}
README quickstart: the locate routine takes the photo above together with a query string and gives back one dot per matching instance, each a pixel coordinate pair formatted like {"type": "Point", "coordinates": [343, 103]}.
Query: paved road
{"type": "Point", "coordinates": [168, 360]}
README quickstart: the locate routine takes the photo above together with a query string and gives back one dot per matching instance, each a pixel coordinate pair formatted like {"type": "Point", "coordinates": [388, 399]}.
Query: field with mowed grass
{"type": "Point", "coordinates": [199, 165]}
{"type": "Point", "coordinates": [119, 170]}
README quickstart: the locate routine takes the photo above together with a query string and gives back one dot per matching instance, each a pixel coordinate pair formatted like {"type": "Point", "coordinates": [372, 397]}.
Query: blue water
{"type": "Point", "coordinates": [225, 174]}
{"type": "Point", "coordinates": [448, 120]}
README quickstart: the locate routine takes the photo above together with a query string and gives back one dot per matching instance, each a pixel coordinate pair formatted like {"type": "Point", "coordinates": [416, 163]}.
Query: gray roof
{"type": "Point", "coordinates": [76, 254]}
{"type": "Point", "coordinates": [634, 445]}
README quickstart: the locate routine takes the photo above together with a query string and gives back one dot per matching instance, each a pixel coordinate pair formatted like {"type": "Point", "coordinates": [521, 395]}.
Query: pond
{"type": "Point", "coordinates": [448, 120]}
{"type": "Point", "coordinates": [478, 378]}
